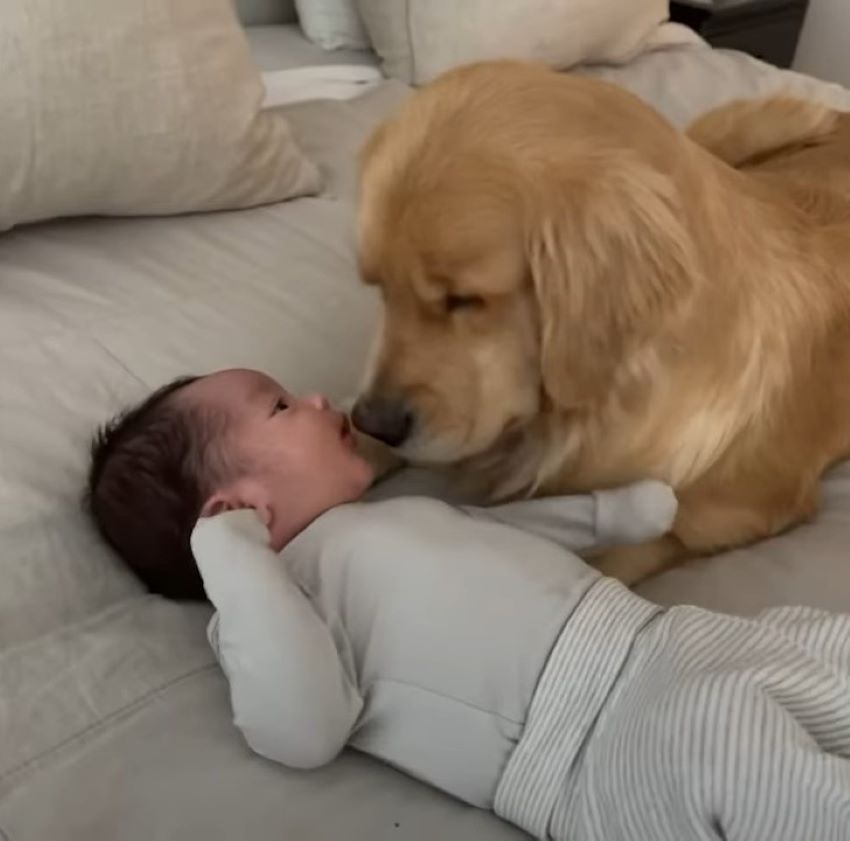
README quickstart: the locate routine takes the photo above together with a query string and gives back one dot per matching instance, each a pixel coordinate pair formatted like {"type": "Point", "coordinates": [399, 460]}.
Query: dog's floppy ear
{"type": "Point", "coordinates": [610, 259]}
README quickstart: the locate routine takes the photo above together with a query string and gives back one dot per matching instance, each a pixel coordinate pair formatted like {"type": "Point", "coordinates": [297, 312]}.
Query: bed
{"type": "Point", "coordinates": [114, 718]}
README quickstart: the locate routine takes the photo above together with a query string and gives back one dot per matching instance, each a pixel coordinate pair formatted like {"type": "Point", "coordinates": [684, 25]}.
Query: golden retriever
{"type": "Point", "coordinates": [577, 295]}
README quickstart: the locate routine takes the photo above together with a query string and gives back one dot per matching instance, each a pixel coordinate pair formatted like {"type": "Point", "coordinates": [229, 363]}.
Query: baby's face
{"type": "Point", "coordinates": [298, 451]}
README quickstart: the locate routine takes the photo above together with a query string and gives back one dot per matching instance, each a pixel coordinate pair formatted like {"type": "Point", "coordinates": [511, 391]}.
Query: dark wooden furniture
{"type": "Point", "coordinates": [766, 29]}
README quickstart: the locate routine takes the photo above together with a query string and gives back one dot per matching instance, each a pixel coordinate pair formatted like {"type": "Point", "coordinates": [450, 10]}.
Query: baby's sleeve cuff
{"type": "Point", "coordinates": [636, 513]}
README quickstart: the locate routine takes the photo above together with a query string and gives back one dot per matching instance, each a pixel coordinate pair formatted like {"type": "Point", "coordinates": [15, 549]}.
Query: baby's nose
{"type": "Point", "coordinates": [317, 401]}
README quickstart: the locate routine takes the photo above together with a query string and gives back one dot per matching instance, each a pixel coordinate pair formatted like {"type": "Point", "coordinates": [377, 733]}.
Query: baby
{"type": "Point", "coordinates": [470, 647]}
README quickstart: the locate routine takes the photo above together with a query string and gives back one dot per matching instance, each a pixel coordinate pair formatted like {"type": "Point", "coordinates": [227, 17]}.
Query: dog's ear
{"type": "Point", "coordinates": [610, 258]}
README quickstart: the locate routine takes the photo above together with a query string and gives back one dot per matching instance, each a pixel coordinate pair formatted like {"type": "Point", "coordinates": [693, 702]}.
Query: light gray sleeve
{"type": "Point", "coordinates": [292, 697]}
{"type": "Point", "coordinates": [632, 514]}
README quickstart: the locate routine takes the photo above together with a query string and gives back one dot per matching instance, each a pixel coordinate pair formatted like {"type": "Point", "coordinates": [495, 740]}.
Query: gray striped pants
{"type": "Point", "coordinates": [713, 727]}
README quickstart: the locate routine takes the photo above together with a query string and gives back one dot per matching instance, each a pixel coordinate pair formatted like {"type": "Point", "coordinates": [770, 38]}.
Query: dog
{"type": "Point", "coordinates": [578, 295]}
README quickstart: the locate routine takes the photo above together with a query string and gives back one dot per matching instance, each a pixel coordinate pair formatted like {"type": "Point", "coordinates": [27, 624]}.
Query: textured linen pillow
{"type": "Point", "coordinates": [122, 107]}
{"type": "Point", "coordinates": [333, 24]}
{"type": "Point", "coordinates": [419, 39]}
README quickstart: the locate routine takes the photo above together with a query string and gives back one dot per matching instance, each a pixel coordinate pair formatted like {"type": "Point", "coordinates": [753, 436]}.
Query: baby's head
{"type": "Point", "coordinates": [202, 445]}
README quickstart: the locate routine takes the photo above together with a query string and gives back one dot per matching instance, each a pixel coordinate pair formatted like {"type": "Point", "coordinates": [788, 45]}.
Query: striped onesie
{"type": "Point", "coordinates": [687, 724]}
{"type": "Point", "coordinates": [471, 649]}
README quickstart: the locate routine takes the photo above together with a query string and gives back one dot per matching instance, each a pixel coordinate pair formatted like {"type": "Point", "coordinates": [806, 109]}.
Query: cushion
{"type": "Point", "coordinates": [332, 24]}
{"type": "Point", "coordinates": [419, 39]}
{"type": "Point", "coordinates": [136, 108]}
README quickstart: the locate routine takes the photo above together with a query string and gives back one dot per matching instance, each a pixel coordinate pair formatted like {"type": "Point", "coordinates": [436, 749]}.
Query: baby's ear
{"type": "Point", "coordinates": [216, 504]}
{"type": "Point", "coordinates": [235, 497]}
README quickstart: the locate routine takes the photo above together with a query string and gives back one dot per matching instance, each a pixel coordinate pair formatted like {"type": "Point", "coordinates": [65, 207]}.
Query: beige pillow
{"type": "Point", "coordinates": [124, 107]}
{"type": "Point", "coordinates": [419, 39]}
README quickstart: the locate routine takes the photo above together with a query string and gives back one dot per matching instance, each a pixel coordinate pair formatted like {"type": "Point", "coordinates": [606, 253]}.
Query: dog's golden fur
{"type": "Point", "coordinates": [577, 295]}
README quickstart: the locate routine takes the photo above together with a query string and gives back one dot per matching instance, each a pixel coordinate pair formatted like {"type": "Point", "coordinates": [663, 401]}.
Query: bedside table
{"type": "Point", "coordinates": [766, 29]}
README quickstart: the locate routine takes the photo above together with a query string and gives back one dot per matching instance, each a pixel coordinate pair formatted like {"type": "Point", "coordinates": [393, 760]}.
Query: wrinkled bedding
{"type": "Point", "coordinates": [114, 720]}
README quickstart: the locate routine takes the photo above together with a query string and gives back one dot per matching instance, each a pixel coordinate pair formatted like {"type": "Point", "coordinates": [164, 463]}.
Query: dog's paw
{"type": "Point", "coordinates": [632, 564]}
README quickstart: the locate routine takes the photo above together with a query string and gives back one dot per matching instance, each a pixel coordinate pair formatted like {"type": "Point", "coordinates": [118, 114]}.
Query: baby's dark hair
{"type": "Point", "coordinates": [152, 468]}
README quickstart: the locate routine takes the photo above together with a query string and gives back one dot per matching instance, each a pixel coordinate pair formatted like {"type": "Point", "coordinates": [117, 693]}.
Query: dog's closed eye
{"type": "Point", "coordinates": [453, 303]}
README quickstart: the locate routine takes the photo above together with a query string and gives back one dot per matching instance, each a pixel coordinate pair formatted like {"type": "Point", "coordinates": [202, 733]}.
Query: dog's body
{"type": "Point", "coordinates": [579, 296]}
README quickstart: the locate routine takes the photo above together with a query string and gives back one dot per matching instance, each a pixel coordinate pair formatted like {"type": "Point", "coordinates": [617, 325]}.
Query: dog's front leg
{"type": "Point", "coordinates": [631, 564]}
{"type": "Point", "coordinates": [712, 519]}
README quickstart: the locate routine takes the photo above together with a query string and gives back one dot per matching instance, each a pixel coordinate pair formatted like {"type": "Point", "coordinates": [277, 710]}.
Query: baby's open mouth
{"type": "Point", "coordinates": [345, 430]}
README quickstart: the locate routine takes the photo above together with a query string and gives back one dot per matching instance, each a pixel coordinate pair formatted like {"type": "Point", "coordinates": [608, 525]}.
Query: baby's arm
{"type": "Point", "coordinates": [632, 514]}
{"type": "Point", "coordinates": [292, 698]}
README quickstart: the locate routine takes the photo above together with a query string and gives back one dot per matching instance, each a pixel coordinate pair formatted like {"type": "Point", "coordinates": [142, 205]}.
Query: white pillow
{"type": "Point", "coordinates": [121, 107]}
{"type": "Point", "coordinates": [419, 39]}
{"type": "Point", "coordinates": [333, 24]}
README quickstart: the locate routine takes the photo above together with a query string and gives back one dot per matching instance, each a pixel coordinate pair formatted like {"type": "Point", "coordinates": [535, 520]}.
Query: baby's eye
{"type": "Point", "coordinates": [281, 405]}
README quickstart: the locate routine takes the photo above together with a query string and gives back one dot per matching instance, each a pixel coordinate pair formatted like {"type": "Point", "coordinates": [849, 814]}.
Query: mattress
{"type": "Point", "coordinates": [114, 719]}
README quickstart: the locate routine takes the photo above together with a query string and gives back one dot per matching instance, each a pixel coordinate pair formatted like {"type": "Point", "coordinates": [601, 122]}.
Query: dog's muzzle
{"type": "Point", "coordinates": [385, 418]}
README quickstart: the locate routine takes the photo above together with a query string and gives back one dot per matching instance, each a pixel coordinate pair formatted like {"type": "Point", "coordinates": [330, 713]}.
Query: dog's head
{"type": "Point", "coordinates": [525, 230]}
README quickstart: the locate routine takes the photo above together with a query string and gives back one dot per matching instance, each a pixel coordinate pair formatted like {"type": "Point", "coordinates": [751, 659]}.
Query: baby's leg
{"type": "Point", "coordinates": [724, 728]}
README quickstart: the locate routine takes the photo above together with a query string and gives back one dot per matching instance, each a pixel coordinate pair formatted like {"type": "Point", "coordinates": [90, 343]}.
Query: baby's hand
{"type": "Point", "coordinates": [633, 514]}
{"type": "Point", "coordinates": [641, 515]}
{"type": "Point", "coordinates": [641, 511]}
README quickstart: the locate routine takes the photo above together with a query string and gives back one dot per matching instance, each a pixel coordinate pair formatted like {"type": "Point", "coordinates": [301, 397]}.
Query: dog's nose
{"type": "Point", "coordinates": [389, 420]}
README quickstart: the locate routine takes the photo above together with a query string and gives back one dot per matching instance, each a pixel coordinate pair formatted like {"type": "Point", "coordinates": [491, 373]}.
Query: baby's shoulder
{"type": "Point", "coordinates": [401, 512]}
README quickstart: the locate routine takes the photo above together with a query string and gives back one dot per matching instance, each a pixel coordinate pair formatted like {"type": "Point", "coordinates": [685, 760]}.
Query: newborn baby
{"type": "Point", "coordinates": [470, 647]}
